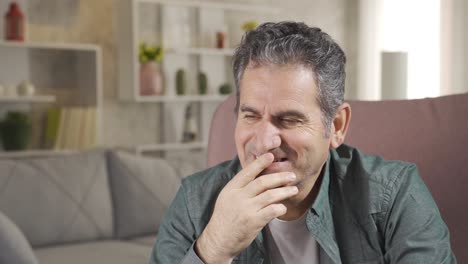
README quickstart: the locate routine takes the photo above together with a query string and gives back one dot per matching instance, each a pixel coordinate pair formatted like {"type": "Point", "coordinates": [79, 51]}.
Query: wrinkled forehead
{"type": "Point", "coordinates": [257, 71]}
{"type": "Point", "coordinates": [255, 64]}
{"type": "Point", "coordinates": [292, 66]}
{"type": "Point", "coordinates": [276, 85]}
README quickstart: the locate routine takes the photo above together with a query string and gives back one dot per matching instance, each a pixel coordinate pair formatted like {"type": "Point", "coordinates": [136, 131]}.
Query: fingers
{"type": "Point", "coordinates": [270, 202]}
{"type": "Point", "coordinates": [249, 173]}
{"type": "Point", "coordinates": [272, 211]}
{"type": "Point", "coordinates": [275, 196]}
{"type": "Point", "coordinates": [270, 181]}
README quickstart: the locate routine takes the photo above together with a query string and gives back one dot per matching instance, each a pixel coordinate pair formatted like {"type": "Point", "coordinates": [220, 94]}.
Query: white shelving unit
{"type": "Point", "coordinates": [63, 75]}
{"type": "Point", "coordinates": [215, 5]}
{"type": "Point", "coordinates": [28, 99]}
{"type": "Point", "coordinates": [48, 45]}
{"type": "Point", "coordinates": [186, 30]}
{"type": "Point", "coordinates": [180, 99]}
{"type": "Point", "coordinates": [201, 51]}
{"type": "Point", "coordinates": [33, 153]}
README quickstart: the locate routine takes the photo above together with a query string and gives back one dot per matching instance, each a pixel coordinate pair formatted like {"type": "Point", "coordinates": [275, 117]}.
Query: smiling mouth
{"type": "Point", "coordinates": [277, 159]}
{"type": "Point", "coordinates": [278, 165]}
{"type": "Point", "coordinates": [280, 159]}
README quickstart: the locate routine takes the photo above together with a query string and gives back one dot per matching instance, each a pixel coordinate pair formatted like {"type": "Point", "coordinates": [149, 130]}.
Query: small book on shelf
{"type": "Point", "coordinates": [52, 127]}
{"type": "Point", "coordinates": [71, 128]}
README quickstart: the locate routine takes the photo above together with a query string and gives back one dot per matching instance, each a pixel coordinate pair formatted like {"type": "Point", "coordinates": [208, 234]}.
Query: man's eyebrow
{"type": "Point", "coordinates": [287, 113]}
{"type": "Point", "coordinates": [246, 108]}
{"type": "Point", "coordinates": [291, 113]}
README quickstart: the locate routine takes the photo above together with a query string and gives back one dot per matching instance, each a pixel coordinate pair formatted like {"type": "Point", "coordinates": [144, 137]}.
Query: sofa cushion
{"type": "Point", "coordinates": [142, 189]}
{"type": "Point", "coordinates": [58, 199]}
{"type": "Point", "coordinates": [101, 252]}
{"type": "Point", "coordinates": [144, 240]}
{"type": "Point", "coordinates": [14, 246]}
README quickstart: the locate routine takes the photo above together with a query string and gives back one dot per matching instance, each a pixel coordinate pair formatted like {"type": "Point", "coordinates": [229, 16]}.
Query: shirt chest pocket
{"type": "Point", "coordinates": [360, 243]}
{"type": "Point", "coordinates": [378, 260]}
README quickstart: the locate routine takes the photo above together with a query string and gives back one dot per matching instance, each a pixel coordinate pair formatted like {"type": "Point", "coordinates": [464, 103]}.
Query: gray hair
{"type": "Point", "coordinates": [296, 43]}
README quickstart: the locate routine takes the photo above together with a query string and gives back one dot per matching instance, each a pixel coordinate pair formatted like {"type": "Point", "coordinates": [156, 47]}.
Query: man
{"type": "Point", "coordinates": [296, 193]}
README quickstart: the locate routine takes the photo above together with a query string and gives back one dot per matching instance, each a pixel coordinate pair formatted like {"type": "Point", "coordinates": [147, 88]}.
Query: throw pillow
{"type": "Point", "coordinates": [58, 199]}
{"type": "Point", "coordinates": [142, 190]}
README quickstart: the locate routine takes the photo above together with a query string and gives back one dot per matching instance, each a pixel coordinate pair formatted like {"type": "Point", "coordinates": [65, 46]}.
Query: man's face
{"type": "Point", "coordinates": [278, 113]}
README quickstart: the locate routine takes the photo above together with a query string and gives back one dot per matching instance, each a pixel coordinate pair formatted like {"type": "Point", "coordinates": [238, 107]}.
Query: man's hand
{"type": "Point", "coordinates": [243, 208]}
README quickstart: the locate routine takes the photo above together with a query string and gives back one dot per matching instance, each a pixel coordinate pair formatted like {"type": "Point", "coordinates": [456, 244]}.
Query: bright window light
{"type": "Point", "coordinates": [413, 26]}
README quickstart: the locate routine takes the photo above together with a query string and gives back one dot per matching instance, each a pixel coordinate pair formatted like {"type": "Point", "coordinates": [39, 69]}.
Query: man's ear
{"type": "Point", "coordinates": [340, 124]}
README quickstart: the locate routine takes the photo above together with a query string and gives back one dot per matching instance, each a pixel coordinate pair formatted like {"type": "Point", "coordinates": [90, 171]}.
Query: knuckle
{"type": "Point", "coordinates": [279, 209]}
{"type": "Point", "coordinates": [242, 174]}
{"type": "Point", "coordinates": [269, 196]}
{"type": "Point", "coordinates": [276, 210]}
{"type": "Point", "coordinates": [261, 182]}
{"type": "Point", "coordinates": [283, 192]}
{"type": "Point", "coordinates": [275, 195]}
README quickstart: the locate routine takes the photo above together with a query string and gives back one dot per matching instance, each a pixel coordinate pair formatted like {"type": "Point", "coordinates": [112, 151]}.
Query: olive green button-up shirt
{"type": "Point", "coordinates": [368, 210]}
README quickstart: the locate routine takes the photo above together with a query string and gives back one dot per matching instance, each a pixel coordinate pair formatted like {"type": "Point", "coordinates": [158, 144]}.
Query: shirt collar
{"type": "Point", "coordinates": [321, 205]}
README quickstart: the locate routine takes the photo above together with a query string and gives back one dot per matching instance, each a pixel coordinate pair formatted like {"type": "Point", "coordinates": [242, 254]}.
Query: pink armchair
{"type": "Point", "coordinates": [433, 133]}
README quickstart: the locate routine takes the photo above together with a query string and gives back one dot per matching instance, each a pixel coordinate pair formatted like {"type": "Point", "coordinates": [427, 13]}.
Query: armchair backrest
{"type": "Point", "coordinates": [221, 146]}
{"type": "Point", "coordinates": [433, 133]}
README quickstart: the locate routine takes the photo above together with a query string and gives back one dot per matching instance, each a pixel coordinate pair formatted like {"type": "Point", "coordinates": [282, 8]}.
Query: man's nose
{"type": "Point", "coordinates": [267, 137]}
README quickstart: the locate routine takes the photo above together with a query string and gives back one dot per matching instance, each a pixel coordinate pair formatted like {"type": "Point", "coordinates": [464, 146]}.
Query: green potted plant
{"type": "Point", "coordinates": [225, 88]}
{"type": "Point", "coordinates": [181, 82]}
{"type": "Point", "coordinates": [15, 131]}
{"type": "Point", "coordinates": [202, 83]}
{"type": "Point", "coordinates": [151, 78]}
{"type": "Point", "coordinates": [249, 25]}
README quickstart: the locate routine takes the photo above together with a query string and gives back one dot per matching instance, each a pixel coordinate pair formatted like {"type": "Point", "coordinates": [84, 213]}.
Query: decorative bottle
{"type": "Point", "coordinates": [190, 125]}
{"type": "Point", "coordinates": [14, 23]}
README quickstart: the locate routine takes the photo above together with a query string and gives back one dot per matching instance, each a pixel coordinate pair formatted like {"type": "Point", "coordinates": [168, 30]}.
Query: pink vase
{"type": "Point", "coordinates": [151, 82]}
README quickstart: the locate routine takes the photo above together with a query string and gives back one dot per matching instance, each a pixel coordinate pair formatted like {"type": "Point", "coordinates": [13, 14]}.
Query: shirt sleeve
{"type": "Point", "coordinates": [414, 229]}
{"type": "Point", "coordinates": [176, 235]}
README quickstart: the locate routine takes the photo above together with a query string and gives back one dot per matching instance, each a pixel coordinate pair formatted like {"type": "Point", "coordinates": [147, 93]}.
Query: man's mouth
{"type": "Point", "coordinates": [276, 158]}
{"type": "Point", "coordinates": [279, 164]}
{"type": "Point", "coordinates": [280, 159]}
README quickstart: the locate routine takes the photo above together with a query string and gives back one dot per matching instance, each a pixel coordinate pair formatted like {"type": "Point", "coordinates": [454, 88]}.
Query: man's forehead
{"type": "Point", "coordinates": [253, 73]}
{"type": "Point", "coordinates": [289, 82]}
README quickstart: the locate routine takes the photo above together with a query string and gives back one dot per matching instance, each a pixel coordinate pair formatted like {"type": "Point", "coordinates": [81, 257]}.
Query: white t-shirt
{"type": "Point", "coordinates": [291, 242]}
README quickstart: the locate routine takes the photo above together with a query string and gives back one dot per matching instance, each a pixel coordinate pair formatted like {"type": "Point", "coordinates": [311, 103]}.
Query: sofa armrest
{"type": "Point", "coordinates": [14, 246]}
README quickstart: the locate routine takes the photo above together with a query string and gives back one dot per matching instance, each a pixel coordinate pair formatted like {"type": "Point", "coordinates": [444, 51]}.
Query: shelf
{"type": "Point", "coordinates": [67, 74]}
{"type": "Point", "coordinates": [48, 45]}
{"type": "Point", "coordinates": [170, 146]}
{"type": "Point", "coordinates": [34, 153]}
{"type": "Point", "coordinates": [181, 98]}
{"type": "Point", "coordinates": [28, 99]}
{"type": "Point", "coordinates": [217, 5]}
{"type": "Point", "coordinates": [187, 29]}
{"type": "Point", "coordinates": [201, 51]}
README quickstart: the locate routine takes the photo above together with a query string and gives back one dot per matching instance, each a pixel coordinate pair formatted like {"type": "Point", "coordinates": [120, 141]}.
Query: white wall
{"type": "Point", "coordinates": [454, 44]}
{"type": "Point", "coordinates": [402, 26]}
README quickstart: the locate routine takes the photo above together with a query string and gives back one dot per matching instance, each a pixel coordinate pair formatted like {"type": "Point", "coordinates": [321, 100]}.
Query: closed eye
{"type": "Point", "coordinates": [288, 122]}
{"type": "Point", "coordinates": [250, 117]}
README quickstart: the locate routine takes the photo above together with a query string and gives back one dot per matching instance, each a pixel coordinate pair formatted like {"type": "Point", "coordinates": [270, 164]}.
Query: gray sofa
{"type": "Point", "coordinates": [96, 206]}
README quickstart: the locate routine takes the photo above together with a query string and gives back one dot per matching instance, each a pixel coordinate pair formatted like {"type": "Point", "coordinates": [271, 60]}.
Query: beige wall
{"type": "Point", "coordinates": [91, 21]}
